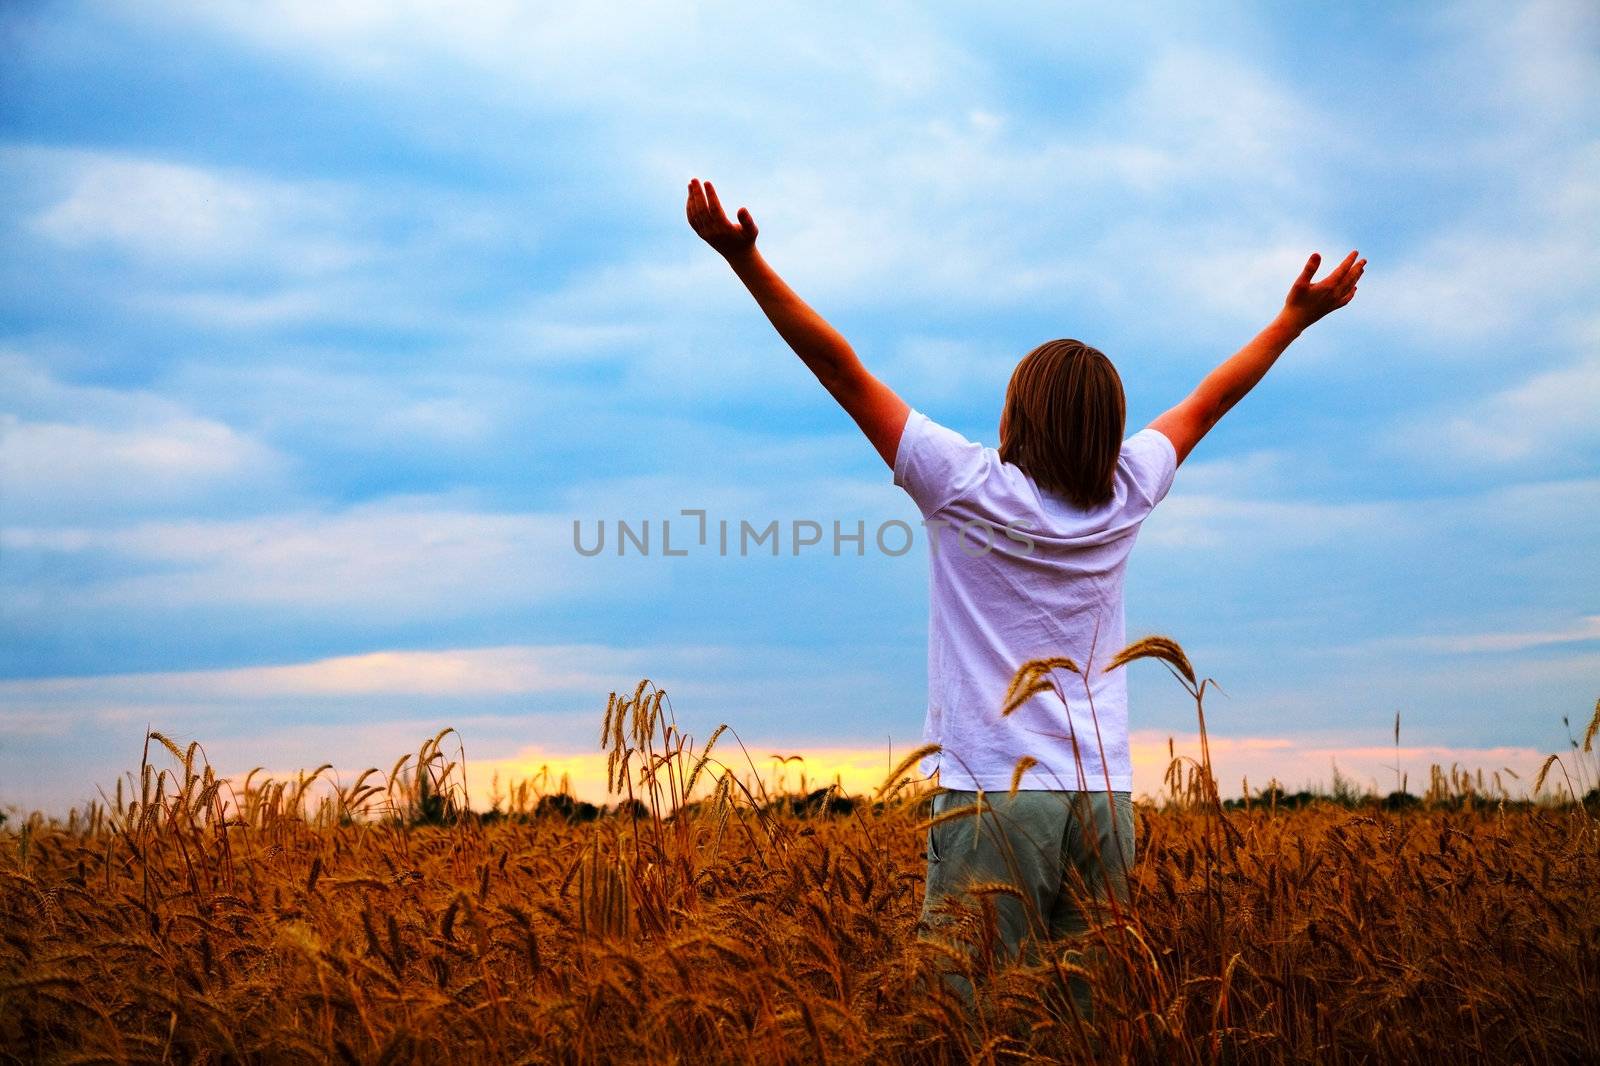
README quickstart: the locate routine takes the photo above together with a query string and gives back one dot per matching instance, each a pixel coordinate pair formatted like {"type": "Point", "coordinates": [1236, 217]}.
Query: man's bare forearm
{"type": "Point", "coordinates": [1307, 302]}
{"type": "Point", "coordinates": [1239, 373]}
{"type": "Point", "coordinates": [819, 345]}
{"type": "Point", "coordinates": [874, 406]}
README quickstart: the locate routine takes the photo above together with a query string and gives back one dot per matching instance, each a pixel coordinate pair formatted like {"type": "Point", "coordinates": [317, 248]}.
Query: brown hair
{"type": "Point", "coordinates": [1063, 421]}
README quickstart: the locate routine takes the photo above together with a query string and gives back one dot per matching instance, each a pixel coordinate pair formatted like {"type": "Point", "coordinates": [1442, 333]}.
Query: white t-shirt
{"type": "Point", "coordinates": [1049, 584]}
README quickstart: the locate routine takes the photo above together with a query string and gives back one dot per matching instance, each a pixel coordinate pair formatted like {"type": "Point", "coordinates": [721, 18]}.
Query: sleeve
{"type": "Point", "coordinates": [936, 465]}
{"type": "Point", "coordinates": [1151, 463]}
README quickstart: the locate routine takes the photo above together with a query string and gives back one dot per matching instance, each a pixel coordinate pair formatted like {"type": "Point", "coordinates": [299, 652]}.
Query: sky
{"type": "Point", "coordinates": [322, 324]}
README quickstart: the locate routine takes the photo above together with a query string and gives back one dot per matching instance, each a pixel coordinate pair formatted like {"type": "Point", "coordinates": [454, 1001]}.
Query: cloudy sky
{"type": "Point", "coordinates": [321, 324]}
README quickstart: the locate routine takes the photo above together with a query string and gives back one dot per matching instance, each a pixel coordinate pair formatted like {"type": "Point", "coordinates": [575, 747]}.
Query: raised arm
{"type": "Point", "coordinates": [875, 407]}
{"type": "Point", "coordinates": [1225, 386]}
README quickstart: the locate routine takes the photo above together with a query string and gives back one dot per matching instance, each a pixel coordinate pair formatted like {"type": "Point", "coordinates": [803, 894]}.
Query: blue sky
{"type": "Point", "coordinates": [320, 324]}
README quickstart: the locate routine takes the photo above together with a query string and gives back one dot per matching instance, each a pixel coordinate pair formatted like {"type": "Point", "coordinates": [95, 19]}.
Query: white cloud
{"type": "Point", "coordinates": [1582, 630]}
{"type": "Point", "coordinates": [1251, 475]}
{"type": "Point", "coordinates": [1246, 522]}
{"type": "Point", "coordinates": [443, 557]}
{"type": "Point", "coordinates": [578, 669]}
{"type": "Point", "coordinates": [245, 250]}
{"type": "Point", "coordinates": [68, 449]}
{"type": "Point", "coordinates": [1474, 291]}
{"type": "Point", "coordinates": [1213, 115]}
{"type": "Point", "coordinates": [254, 310]}
{"type": "Point", "coordinates": [995, 209]}
{"type": "Point", "coordinates": [1204, 523]}
{"type": "Point", "coordinates": [1540, 53]}
{"type": "Point", "coordinates": [384, 411]}
{"type": "Point", "coordinates": [165, 212]}
{"type": "Point", "coordinates": [908, 178]}
{"type": "Point", "coordinates": [38, 457]}
{"type": "Point", "coordinates": [584, 54]}
{"type": "Point", "coordinates": [408, 558]}
{"type": "Point", "coordinates": [1551, 415]}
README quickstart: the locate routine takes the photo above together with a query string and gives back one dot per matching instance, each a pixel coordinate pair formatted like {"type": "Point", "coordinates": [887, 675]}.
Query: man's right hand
{"type": "Point", "coordinates": [711, 222]}
{"type": "Point", "coordinates": [1307, 302]}
{"type": "Point", "coordinates": [1225, 386]}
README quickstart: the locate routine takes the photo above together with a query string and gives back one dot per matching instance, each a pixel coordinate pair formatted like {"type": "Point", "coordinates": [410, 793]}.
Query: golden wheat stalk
{"type": "Point", "coordinates": [892, 783]}
{"type": "Point", "coordinates": [1538, 782]}
{"type": "Point", "coordinates": [1032, 678]}
{"type": "Point", "coordinates": [1163, 648]}
{"type": "Point", "coordinates": [970, 810]}
{"type": "Point", "coordinates": [1024, 764]}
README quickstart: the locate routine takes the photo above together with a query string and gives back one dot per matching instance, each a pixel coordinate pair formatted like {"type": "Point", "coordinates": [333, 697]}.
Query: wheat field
{"type": "Point", "coordinates": [191, 920]}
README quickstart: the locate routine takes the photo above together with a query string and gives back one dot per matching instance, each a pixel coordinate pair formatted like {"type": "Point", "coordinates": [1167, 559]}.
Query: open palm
{"type": "Point", "coordinates": [1309, 301]}
{"type": "Point", "coordinates": [711, 221]}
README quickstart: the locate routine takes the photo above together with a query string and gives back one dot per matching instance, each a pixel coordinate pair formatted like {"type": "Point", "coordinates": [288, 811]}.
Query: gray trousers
{"type": "Point", "coordinates": [1065, 857]}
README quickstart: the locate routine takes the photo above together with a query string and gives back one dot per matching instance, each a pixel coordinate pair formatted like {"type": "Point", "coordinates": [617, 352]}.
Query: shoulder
{"type": "Point", "coordinates": [1148, 461]}
{"type": "Point", "coordinates": [936, 464]}
{"type": "Point", "coordinates": [1147, 444]}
